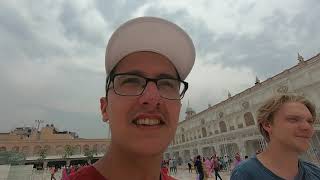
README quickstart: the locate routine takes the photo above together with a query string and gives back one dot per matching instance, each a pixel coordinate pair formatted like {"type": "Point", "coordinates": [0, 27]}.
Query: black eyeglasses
{"type": "Point", "coordinates": [125, 84]}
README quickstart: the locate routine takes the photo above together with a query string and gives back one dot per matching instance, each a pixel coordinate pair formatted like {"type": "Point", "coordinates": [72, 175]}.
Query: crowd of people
{"type": "Point", "coordinates": [211, 166]}
{"type": "Point", "coordinates": [169, 166]}
{"type": "Point", "coordinates": [204, 167]}
{"type": "Point", "coordinates": [65, 171]}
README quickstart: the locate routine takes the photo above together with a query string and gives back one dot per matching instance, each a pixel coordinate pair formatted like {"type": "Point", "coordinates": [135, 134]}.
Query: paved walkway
{"type": "Point", "coordinates": [44, 175]}
{"type": "Point", "coordinates": [183, 174]}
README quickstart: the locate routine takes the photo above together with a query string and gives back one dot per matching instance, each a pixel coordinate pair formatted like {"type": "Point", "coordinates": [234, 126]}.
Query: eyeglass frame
{"type": "Point", "coordinates": [111, 77]}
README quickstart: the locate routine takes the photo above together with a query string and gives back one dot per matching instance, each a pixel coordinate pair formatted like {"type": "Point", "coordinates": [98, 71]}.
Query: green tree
{"type": "Point", "coordinates": [68, 151]}
{"type": "Point", "coordinates": [42, 153]}
{"type": "Point", "coordinates": [13, 158]}
{"type": "Point", "coordinates": [89, 154]}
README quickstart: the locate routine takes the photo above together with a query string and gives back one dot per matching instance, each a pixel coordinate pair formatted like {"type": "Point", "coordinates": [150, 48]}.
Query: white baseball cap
{"type": "Point", "coordinates": [154, 35]}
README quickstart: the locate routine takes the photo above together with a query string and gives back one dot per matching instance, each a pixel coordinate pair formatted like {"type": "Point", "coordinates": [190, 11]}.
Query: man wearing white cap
{"type": "Point", "coordinates": [147, 60]}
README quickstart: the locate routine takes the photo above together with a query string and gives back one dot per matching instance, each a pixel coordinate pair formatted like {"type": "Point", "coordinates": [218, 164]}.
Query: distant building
{"type": "Point", "coordinates": [231, 126]}
{"type": "Point", "coordinates": [31, 142]}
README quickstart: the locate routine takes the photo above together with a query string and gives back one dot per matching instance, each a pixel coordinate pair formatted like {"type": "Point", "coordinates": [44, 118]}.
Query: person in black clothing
{"type": "Point", "coordinates": [190, 166]}
{"type": "Point", "coordinates": [199, 168]}
{"type": "Point", "coordinates": [216, 166]}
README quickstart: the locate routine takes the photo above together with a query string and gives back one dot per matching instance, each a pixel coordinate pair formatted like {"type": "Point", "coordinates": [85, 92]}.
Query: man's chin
{"type": "Point", "coordinates": [149, 149]}
{"type": "Point", "coordinates": [149, 152]}
{"type": "Point", "coordinates": [302, 148]}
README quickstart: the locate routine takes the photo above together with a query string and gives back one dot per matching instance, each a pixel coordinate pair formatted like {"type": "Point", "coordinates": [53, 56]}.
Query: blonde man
{"type": "Point", "coordinates": [286, 123]}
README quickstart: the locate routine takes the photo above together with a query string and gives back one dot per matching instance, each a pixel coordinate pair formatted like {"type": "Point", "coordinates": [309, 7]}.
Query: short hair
{"type": "Point", "coordinates": [267, 111]}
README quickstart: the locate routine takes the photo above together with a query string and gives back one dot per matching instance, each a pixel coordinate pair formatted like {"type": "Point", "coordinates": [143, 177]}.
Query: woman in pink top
{"type": "Point", "coordinates": [64, 174]}
{"type": "Point", "coordinates": [208, 164]}
{"type": "Point", "coordinates": [52, 172]}
{"type": "Point", "coordinates": [237, 160]}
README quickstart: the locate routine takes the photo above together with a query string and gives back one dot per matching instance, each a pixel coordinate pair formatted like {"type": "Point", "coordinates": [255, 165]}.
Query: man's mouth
{"type": "Point", "coordinates": [147, 122]}
{"type": "Point", "coordinates": [304, 137]}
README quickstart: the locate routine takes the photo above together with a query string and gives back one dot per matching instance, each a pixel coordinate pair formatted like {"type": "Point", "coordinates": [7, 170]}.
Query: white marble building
{"type": "Point", "coordinates": [230, 126]}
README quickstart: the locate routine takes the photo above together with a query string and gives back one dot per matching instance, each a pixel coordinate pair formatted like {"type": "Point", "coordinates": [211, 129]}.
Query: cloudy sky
{"type": "Point", "coordinates": [52, 52]}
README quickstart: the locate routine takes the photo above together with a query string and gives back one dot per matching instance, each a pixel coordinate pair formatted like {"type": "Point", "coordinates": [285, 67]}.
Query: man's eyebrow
{"type": "Point", "coordinates": [167, 76]}
{"type": "Point", "coordinates": [298, 116]}
{"type": "Point", "coordinates": [162, 75]}
{"type": "Point", "coordinates": [292, 115]}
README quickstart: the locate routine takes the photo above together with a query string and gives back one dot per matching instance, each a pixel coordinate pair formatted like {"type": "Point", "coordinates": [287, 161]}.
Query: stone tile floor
{"type": "Point", "coordinates": [183, 174]}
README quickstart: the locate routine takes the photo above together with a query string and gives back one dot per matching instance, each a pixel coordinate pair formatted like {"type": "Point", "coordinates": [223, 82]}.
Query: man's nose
{"type": "Point", "coordinates": [151, 95]}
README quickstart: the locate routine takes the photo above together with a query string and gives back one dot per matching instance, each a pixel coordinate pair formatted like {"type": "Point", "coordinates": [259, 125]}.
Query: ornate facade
{"type": "Point", "coordinates": [30, 141]}
{"type": "Point", "coordinates": [230, 126]}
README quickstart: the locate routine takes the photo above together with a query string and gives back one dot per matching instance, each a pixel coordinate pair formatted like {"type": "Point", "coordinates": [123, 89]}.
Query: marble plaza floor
{"type": "Point", "coordinates": [183, 174]}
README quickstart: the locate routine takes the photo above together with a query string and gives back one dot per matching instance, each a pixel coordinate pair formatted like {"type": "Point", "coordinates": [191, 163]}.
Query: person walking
{"type": "Point", "coordinates": [216, 166]}
{"type": "Point", "coordinates": [190, 165]}
{"type": "Point", "coordinates": [52, 172]}
{"type": "Point", "coordinates": [237, 160]}
{"type": "Point", "coordinates": [171, 166]}
{"type": "Point", "coordinates": [175, 164]}
{"type": "Point", "coordinates": [208, 167]}
{"type": "Point", "coordinates": [198, 165]}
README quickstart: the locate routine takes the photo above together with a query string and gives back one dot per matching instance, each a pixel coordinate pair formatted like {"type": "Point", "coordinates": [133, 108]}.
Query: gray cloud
{"type": "Point", "coordinates": [275, 48]}
{"type": "Point", "coordinates": [20, 39]}
{"type": "Point", "coordinates": [117, 12]}
{"type": "Point", "coordinates": [77, 24]}
{"type": "Point", "coordinates": [268, 52]}
{"type": "Point", "coordinates": [52, 54]}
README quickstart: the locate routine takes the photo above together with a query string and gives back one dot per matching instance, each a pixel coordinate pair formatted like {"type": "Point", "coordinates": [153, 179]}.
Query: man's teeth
{"type": "Point", "coordinates": [149, 122]}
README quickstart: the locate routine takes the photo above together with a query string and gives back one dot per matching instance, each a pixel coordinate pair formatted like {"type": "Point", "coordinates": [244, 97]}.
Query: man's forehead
{"type": "Point", "coordinates": [295, 109]}
{"type": "Point", "coordinates": [142, 62]}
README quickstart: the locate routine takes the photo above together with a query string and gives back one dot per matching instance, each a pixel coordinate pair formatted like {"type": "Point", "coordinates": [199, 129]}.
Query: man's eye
{"type": "Point", "coordinates": [131, 81]}
{"type": "Point", "coordinates": [293, 119]}
{"type": "Point", "coordinates": [168, 83]}
{"type": "Point", "coordinates": [311, 121]}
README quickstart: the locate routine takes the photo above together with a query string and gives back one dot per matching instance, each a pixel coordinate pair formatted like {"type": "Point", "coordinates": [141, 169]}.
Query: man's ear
{"type": "Point", "coordinates": [103, 108]}
{"type": "Point", "coordinates": [267, 126]}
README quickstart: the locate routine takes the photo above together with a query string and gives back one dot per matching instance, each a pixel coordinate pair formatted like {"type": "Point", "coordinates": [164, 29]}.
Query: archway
{"type": "Point", "coordinates": [204, 132]}
{"type": "Point", "coordinates": [223, 126]}
{"type": "Point", "coordinates": [59, 150]}
{"type": "Point", "coordinates": [248, 119]}
{"type": "Point", "coordinates": [48, 149]}
{"type": "Point", "coordinates": [15, 149]}
{"type": "Point", "coordinates": [77, 149]}
{"type": "Point", "coordinates": [36, 150]}
{"type": "Point", "coordinates": [25, 150]}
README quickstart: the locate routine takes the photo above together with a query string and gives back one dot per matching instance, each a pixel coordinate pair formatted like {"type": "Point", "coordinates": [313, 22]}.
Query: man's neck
{"type": "Point", "coordinates": [280, 161]}
{"type": "Point", "coordinates": [117, 164]}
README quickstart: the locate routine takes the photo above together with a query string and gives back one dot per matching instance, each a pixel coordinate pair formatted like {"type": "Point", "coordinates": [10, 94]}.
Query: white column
{"type": "Point", "coordinates": [217, 149]}
{"type": "Point", "coordinates": [200, 150]}
{"type": "Point", "coordinates": [242, 148]}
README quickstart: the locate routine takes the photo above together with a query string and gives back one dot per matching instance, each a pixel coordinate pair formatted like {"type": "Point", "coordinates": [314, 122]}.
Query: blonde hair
{"type": "Point", "coordinates": [266, 112]}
